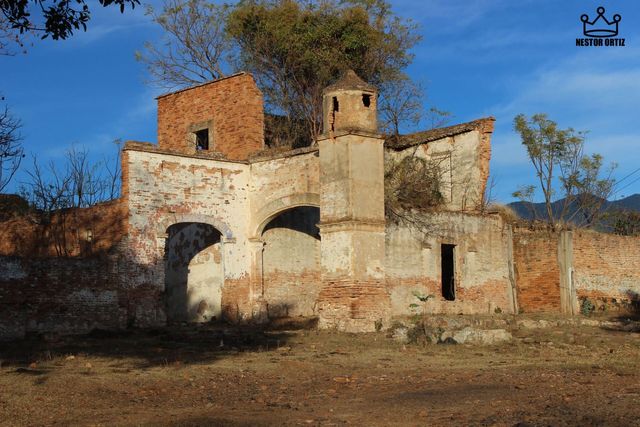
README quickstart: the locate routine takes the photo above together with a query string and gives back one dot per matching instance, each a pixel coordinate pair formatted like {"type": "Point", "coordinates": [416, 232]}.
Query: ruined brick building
{"type": "Point", "coordinates": [211, 225]}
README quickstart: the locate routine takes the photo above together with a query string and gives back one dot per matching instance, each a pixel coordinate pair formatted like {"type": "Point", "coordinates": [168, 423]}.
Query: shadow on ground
{"type": "Point", "coordinates": [173, 345]}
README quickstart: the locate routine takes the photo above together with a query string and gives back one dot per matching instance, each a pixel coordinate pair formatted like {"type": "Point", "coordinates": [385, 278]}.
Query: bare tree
{"type": "Point", "coordinates": [11, 152]}
{"type": "Point", "coordinates": [400, 102]}
{"type": "Point", "coordinates": [9, 40]}
{"type": "Point", "coordinates": [195, 43]}
{"type": "Point", "coordinates": [113, 170]}
{"type": "Point", "coordinates": [56, 190]}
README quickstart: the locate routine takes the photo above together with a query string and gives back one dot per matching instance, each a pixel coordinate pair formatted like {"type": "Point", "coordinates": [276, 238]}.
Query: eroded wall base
{"type": "Point", "coordinates": [350, 306]}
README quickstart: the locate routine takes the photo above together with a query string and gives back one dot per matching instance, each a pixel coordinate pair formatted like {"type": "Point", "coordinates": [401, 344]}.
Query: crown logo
{"type": "Point", "coordinates": [604, 27]}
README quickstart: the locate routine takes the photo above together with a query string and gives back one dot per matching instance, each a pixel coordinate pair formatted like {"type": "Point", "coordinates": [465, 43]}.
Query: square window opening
{"type": "Point", "coordinates": [202, 140]}
{"type": "Point", "coordinates": [366, 100]}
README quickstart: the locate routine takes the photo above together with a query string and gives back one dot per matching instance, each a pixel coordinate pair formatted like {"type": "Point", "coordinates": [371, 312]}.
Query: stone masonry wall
{"type": "Point", "coordinates": [231, 108]}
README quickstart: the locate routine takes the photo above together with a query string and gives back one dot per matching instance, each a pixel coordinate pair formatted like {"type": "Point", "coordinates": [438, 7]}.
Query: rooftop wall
{"type": "Point", "coordinates": [231, 108]}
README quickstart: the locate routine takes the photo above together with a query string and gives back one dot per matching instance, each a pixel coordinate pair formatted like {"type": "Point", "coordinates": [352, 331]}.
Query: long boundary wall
{"type": "Point", "coordinates": [560, 272]}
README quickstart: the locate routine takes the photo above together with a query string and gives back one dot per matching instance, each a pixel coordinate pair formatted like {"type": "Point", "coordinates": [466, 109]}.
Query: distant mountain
{"type": "Point", "coordinates": [526, 210]}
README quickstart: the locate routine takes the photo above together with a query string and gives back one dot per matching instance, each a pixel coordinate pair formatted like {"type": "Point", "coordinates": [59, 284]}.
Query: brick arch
{"type": "Point", "coordinates": [274, 208]}
{"type": "Point", "coordinates": [172, 219]}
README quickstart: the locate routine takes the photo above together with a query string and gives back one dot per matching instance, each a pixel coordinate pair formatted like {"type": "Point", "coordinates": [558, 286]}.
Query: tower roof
{"type": "Point", "coordinates": [350, 81]}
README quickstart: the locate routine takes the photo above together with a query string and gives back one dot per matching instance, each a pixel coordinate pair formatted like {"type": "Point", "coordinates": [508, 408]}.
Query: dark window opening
{"type": "Point", "coordinates": [366, 100]}
{"type": "Point", "coordinates": [202, 140]}
{"type": "Point", "coordinates": [448, 272]}
{"type": "Point", "coordinates": [336, 107]}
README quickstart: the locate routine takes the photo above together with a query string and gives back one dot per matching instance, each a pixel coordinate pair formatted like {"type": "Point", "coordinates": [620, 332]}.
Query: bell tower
{"type": "Point", "coordinates": [350, 104]}
{"type": "Point", "coordinates": [353, 297]}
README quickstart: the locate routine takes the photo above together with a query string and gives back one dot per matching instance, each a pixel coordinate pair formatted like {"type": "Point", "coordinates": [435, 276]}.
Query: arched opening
{"type": "Point", "coordinates": [291, 262]}
{"type": "Point", "coordinates": [194, 273]}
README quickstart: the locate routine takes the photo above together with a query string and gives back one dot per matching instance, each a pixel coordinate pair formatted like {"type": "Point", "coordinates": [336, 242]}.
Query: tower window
{"type": "Point", "coordinates": [202, 140]}
{"type": "Point", "coordinates": [366, 100]}
{"type": "Point", "coordinates": [336, 105]}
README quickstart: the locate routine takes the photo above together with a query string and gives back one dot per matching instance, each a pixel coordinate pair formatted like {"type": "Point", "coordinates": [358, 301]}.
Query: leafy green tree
{"type": "Point", "coordinates": [293, 49]}
{"type": "Point", "coordinates": [57, 19]}
{"type": "Point", "coordinates": [564, 172]}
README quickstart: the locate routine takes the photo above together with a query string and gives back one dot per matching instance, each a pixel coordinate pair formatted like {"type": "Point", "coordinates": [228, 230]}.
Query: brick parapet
{"type": "Point", "coordinates": [231, 107]}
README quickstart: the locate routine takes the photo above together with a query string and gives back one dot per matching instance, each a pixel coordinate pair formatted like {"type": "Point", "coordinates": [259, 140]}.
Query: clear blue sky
{"type": "Point", "coordinates": [477, 58]}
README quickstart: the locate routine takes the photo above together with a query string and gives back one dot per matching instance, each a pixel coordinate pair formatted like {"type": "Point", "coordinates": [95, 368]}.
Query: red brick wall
{"type": "Point", "coordinates": [65, 233]}
{"type": "Point", "coordinates": [607, 269]}
{"type": "Point", "coordinates": [72, 295]}
{"type": "Point", "coordinates": [232, 106]}
{"type": "Point", "coordinates": [535, 255]}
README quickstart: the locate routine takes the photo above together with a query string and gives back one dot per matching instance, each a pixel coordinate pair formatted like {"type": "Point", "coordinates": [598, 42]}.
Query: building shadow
{"type": "Point", "coordinates": [170, 346]}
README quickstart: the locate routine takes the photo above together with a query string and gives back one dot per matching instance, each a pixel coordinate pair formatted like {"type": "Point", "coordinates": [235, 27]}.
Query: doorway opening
{"type": "Point", "coordinates": [447, 253]}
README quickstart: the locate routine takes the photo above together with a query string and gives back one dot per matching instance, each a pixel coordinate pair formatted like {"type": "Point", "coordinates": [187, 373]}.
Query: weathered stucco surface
{"type": "Point", "coordinates": [413, 266]}
{"type": "Point", "coordinates": [463, 164]}
{"type": "Point", "coordinates": [291, 260]}
{"type": "Point", "coordinates": [194, 276]}
{"type": "Point", "coordinates": [237, 233]}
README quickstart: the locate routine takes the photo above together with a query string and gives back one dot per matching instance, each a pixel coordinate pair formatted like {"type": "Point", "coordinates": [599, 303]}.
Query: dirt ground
{"type": "Point", "coordinates": [215, 375]}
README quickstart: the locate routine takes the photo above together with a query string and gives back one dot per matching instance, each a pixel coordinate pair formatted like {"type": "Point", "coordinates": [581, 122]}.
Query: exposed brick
{"type": "Point", "coordinates": [232, 106]}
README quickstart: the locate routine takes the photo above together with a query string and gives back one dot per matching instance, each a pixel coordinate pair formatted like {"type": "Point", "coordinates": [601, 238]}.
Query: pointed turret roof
{"type": "Point", "coordinates": [350, 81]}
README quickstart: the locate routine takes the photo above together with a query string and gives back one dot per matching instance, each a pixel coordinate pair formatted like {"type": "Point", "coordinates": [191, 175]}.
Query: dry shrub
{"type": "Point", "coordinates": [507, 214]}
{"type": "Point", "coordinates": [412, 189]}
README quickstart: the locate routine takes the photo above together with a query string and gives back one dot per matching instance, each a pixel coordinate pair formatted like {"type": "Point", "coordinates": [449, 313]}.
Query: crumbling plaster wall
{"type": "Point", "coordinates": [237, 198]}
{"type": "Point", "coordinates": [194, 274]}
{"type": "Point", "coordinates": [464, 166]}
{"type": "Point", "coordinates": [163, 190]}
{"type": "Point", "coordinates": [292, 263]}
{"type": "Point", "coordinates": [285, 242]}
{"type": "Point", "coordinates": [413, 265]}
{"type": "Point", "coordinates": [280, 183]}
